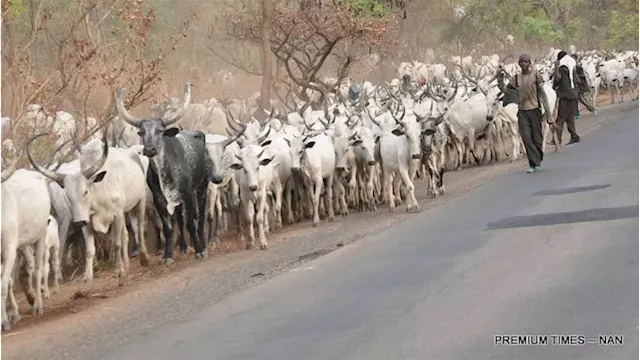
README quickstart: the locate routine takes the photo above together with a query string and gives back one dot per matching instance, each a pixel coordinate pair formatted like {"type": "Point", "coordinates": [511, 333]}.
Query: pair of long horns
{"type": "Point", "coordinates": [59, 178]}
{"type": "Point", "coordinates": [168, 118]}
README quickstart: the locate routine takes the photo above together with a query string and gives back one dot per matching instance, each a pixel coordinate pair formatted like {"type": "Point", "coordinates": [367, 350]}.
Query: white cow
{"type": "Point", "coordinates": [314, 157]}
{"type": "Point", "coordinates": [25, 213]}
{"type": "Point", "coordinates": [254, 173]}
{"type": "Point", "coordinates": [110, 182]}
{"type": "Point", "coordinates": [400, 153]}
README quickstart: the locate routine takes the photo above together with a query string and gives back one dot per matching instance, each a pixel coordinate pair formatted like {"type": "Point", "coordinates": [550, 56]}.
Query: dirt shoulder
{"type": "Point", "coordinates": [84, 323]}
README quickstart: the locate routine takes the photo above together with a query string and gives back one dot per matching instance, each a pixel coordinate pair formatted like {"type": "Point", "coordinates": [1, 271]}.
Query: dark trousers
{"type": "Point", "coordinates": [566, 114]}
{"type": "Point", "coordinates": [530, 126]}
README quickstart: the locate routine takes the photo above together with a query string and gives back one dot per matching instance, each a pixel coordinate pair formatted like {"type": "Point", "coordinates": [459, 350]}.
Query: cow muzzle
{"type": "Point", "coordinates": [216, 179]}
{"type": "Point", "coordinates": [489, 118]}
{"type": "Point", "coordinates": [296, 169]}
{"type": "Point", "coordinates": [371, 163]}
{"type": "Point", "coordinates": [149, 151]}
{"type": "Point", "coordinates": [416, 156]}
{"type": "Point", "coordinates": [340, 168]}
{"type": "Point", "coordinates": [79, 224]}
{"type": "Point", "coordinates": [253, 187]}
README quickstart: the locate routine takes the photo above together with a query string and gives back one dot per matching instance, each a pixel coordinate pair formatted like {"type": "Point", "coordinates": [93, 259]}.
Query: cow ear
{"type": "Point", "coordinates": [171, 132]}
{"type": "Point", "coordinates": [397, 132]}
{"type": "Point", "coordinates": [377, 139]}
{"type": "Point", "coordinates": [99, 176]}
{"type": "Point", "coordinates": [309, 145]}
{"type": "Point", "coordinates": [236, 166]}
{"type": "Point", "coordinates": [265, 162]}
{"type": "Point", "coordinates": [356, 142]}
{"type": "Point", "coordinates": [266, 143]}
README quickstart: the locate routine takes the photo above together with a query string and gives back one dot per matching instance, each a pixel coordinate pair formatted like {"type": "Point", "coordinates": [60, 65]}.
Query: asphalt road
{"type": "Point", "coordinates": [550, 253]}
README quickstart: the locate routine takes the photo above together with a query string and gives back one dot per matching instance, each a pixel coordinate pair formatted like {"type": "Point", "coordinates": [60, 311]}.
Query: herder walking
{"type": "Point", "coordinates": [532, 98]}
{"type": "Point", "coordinates": [565, 81]}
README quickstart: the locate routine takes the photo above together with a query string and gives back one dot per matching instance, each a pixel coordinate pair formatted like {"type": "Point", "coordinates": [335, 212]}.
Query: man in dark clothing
{"type": "Point", "coordinates": [584, 93]}
{"type": "Point", "coordinates": [531, 98]}
{"type": "Point", "coordinates": [564, 84]}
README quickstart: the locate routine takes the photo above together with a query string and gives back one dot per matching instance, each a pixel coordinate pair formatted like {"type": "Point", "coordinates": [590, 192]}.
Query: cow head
{"type": "Point", "coordinates": [153, 129]}
{"type": "Point", "coordinates": [297, 148]}
{"type": "Point", "coordinates": [79, 187]}
{"type": "Point", "coordinates": [250, 159]}
{"type": "Point", "coordinates": [363, 142]}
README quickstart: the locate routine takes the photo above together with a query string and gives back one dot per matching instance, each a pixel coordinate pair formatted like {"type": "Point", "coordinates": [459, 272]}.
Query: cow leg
{"type": "Point", "coordinates": [248, 218]}
{"type": "Point", "coordinates": [38, 307]}
{"type": "Point", "coordinates": [388, 178]}
{"type": "Point", "coordinates": [261, 214]}
{"type": "Point", "coordinates": [329, 195]}
{"type": "Point", "coordinates": [130, 224]}
{"type": "Point", "coordinates": [13, 313]}
{"type": "Point", "coordinates": [125, 246]}
{"type": "Point", "coordinates": [179, 216]}
{"type": "Point", "coordinates": [315, 193]}
{"type": "Point", "coordinates": [90, 252]}
{"type": "Point", "coordinates": [45, 274]}
{"type": "Point", "coordinates": [192, 222]}
{"type": "Point", "coordinates": [201, 194]}
{"type": "Point", "coordinates": [288, 188]}
{"type": "Point", "coordinates": [26, 273]}
{"type": "Point", "coordinates": [370, 187]}
{"type": "Point", "coordinates": [118, 229]}
{"type": "Point", "coordinates": [412, 204]}
{"type": "Point", "coordinates": [55, 263]}
{"type": "Point", "coordinates": [211, 212]}
{"type": "Point", "coordinates": [278, 190]}
{"type": "Point", "coordinates": [341, 194]}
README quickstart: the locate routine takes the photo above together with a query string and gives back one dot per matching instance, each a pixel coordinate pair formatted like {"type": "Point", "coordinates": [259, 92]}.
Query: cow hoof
{"type": "Point", "coordinates": [30, 299]}
{"type": "Point", "coordinates": [134, 254]}
{"type": "Point", "coordinates": [144, 259]}
{"type": "Point", "coordinates": [6, 327]}
{"type": "Point", "coordinates": [168, 261]}
{"type": "Point", "coordinates": [248, 246]}
{"type": "Point", "coordinates": [345, 213]}
{"type": "Point", "coordinates": [201, 256]}
{"type": "Point", "coordinates": [331, 219]}
{"type": "Point", "coordinates": [315, 223]}
{"type": "Point", "coordinates": [14, 317]}
{"type": "Point", "coordinates": [37, 310]}
{"type": "Point", "coordinates": [263, 246]}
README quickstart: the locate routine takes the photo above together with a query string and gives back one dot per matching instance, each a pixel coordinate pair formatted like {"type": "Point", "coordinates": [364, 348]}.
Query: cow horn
{"type": "Point", "coordinates": [402, 116]}
{"type": "Point", "coordinates": [122, 111]}
{"type": "Point", "coordinates": [6, 173]}
{"type": "Point", "coordinates": [174, 116]}
{"type": "Point", "coordinates": [373, 118]}
{"type": "Point", "coordinates": [263, 137]}
{"type": "Point", "coordinates": [57, 177]}
{"type": "Point", "coordinates": [233, 123]}
{"type": "Point", "coordinates": [91, 170]}
{"type": "Point", "coordinates": [232, 138]}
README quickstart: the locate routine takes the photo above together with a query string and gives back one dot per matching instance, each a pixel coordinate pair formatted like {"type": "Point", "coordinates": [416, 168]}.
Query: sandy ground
{"type": "Point", "coordinates": [79, 309]}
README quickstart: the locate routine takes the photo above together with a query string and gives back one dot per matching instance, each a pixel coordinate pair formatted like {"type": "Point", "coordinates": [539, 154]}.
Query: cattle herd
{"type": "Point", "coordinates": [353, 148]}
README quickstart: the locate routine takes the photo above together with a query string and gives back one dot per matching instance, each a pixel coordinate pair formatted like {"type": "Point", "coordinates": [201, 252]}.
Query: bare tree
{"type": "Point", "coordinates": [74, 55]}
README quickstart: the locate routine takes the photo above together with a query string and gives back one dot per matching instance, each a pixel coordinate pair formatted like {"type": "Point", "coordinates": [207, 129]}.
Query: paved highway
{"type": "Point", "coordinates": [550, 253]}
